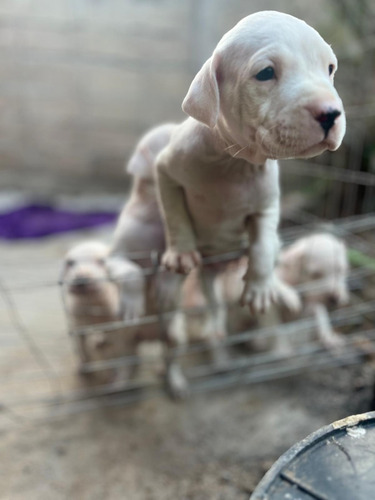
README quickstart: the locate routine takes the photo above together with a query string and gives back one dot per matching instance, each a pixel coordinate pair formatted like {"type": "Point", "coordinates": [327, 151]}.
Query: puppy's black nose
{"type": "Point", "coordinates": [80, 284]}
{"type": "Point", "coordinates": [333, 300]}
{"type": "Point", "coordinates": [327, 119]}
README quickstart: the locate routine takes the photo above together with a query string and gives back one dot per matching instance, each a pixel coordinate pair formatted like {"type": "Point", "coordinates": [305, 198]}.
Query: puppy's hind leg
{"type": "Point", "coordinates": [125, 346]}
{"type": "Point", "coordinates": [177, 383]}
{"type": "Point", "coordinates": [84, 353]}
{"type": "Point", "coordinates": [173, 332]}
{"type": "Point", "coordinates": [215, 323]}
{"type": "Point", "coordinates": [326, 335]}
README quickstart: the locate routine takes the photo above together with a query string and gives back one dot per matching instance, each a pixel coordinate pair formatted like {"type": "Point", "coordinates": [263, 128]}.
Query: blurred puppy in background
{"type": "Point", "coordinates": [92, 298]}
{"type": "Point", "coordinates": [140, 228]}
{"type": "Point", "coordinates": [138, 238]}
{"type": "Point", "coordinates": [317, 266]}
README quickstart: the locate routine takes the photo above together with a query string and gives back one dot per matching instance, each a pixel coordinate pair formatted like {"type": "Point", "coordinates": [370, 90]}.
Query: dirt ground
{"type": "Point", "coordinates": [214, 446]}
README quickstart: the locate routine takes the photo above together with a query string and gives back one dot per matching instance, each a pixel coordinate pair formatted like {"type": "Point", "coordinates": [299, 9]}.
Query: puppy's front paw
{"type": "Point", "coordinates": [259, 295]}
{"type": "Point", "coordinates": [332, 340]}
{"type": "Point", "coordinates": [181, 262]}
{"type": "Point", "coordinates": [288, 297]}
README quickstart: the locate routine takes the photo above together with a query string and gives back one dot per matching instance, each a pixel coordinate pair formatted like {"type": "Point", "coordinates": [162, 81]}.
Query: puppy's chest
{"type": "Point", "coordinates": [90, 310]}
{"type": "Point", "coordinates": [229, 194]}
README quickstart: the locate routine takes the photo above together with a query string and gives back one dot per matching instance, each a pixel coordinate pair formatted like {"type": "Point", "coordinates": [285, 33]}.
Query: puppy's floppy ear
{"type": "Point", "coordinates": [291, 262]}
{"type": "Point", "coordinates": [202, 101]}
{"type": "Point", "coordinates": [63, 270]}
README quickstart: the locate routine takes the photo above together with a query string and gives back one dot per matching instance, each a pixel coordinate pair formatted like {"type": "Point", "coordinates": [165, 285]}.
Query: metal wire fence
{"type": "Point", "coordinates": [47, 387]}
{"type": "Point", "coordinates": [335, 192]}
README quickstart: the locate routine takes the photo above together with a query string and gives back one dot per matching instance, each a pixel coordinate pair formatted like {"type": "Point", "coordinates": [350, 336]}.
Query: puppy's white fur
{"type": "Point", "coordinates": [92, 298]}
{"type": "Point", "coordinates": [140, 226]}
{"type": "Point", "coordinates": [318, 266]}
{"type": "Point", "coordinates": [218, 177]}
{"type": "Point", "coordinates": [140, 232]}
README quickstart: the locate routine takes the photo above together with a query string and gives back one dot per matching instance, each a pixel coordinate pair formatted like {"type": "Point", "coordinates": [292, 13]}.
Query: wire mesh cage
{"type": "Point", "coordinates": [43, 382]}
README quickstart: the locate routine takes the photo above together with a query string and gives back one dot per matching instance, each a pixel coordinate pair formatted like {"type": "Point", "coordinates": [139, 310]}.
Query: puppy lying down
{"type": "Point", "coordinates": [317, 266]}
{"type": "Point", "coordinates": [92, 298]}
{"type": "Point", "coordinates": [266, 93]}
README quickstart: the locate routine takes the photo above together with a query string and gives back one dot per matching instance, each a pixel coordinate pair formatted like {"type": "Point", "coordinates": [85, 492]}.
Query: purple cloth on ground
{"type": "Point", "coordinates": [35, 221]}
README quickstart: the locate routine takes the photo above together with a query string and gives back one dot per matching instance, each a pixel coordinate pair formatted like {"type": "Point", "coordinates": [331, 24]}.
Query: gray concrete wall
{"type": "Point", "coordinates": [81, 80]}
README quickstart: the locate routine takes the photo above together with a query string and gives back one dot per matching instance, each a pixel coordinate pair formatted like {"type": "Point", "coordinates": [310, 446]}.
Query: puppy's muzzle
{"type": "Point", "coordinates": [80, 285]}
{"type": "Point", "coordinates": [337, 299]}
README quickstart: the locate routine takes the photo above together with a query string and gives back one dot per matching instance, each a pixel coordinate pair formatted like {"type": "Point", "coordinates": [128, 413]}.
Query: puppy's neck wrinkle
{"type": "Point", "coordinates": [228, 146]}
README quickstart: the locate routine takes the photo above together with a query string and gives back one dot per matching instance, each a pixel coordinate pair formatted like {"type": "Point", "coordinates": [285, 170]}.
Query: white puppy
{"type": "Point", "coordinates": [318, 266]}
{"type": "Point", "coordinates": [92, 298]}
{"type": "Point", "coordinates": [266, 93]}
{"type": "Point", "coordinates": [138, 236]}
{"type": "Point", "coordinates": [140, 226]}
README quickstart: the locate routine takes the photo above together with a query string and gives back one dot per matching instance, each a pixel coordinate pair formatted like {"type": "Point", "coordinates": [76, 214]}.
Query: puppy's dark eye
{"type": "Point", "coordinates": [100, 262]}
{"type": "Point", "coordinates": [331, 68]}
{"type": "Point", "coordinates": [266, 74]}
{"type": "Point", "coordinates": [69, 263]}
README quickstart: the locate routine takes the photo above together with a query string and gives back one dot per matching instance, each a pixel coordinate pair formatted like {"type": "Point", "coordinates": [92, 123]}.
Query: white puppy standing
{"type": "Point", "coordinates": [266, 93]}
{"type": "Point", "coordinates": [138, 236]}
{"type": "Point", "coordinates": [92, 298]}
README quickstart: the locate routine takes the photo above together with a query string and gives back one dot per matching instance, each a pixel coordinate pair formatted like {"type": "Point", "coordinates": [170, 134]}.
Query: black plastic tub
{"type": "Point", "coordinates": [337, 462]}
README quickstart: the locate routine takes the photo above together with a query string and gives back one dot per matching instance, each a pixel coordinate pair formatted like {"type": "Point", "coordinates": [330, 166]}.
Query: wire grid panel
{"type": "Point", "coordinates": [38, 364]}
